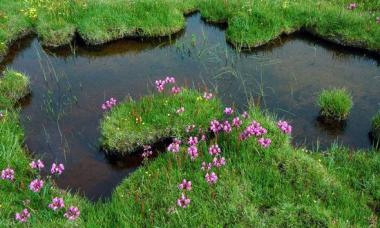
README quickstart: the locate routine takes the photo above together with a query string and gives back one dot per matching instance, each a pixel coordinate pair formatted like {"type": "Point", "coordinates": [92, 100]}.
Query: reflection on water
{"type": "Point", "coordinates": [61, 118]}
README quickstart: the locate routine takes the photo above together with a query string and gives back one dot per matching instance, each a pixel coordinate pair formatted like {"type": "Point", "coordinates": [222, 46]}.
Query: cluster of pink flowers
{"type": "Point", "coordinates": [8, 174]}
{"type": "Point", "coordinates": [218, 162]}
{"type": "Point", "coordinates": [214, 150]}
{"type": "Point", "coordinates": [57, 203]}
{"type": "Point", "coordinates": [174, 146]}
{"type": "Point", "coordinates": [57, 169]}
{"type": "Point", "coordinates": [352, 6]}
{"type": "Point", "coordinates": [206, 166]}
{"type": "Point", "coordinates": [253, 129]}
{"type": "Point", "coordinates": [36, 185]}
{"type": "Point", "coordinates": [207, 96]}
{"type": "Point", "coordinates": [147, 152]}
{"type": "Point", "coordinates": [245, 115]}
{"type": "Point", "coordinates": [185, 185]}
{"type": "Point", "coordinates": [193, 152]}
{"type": "Point", "coordinates": [180, 110]}
{"type": "Point", "coordinates": [236, 122]}
{"type": "Point", "coordinates": [37, 164]}
{"type": "Point", "coordinates": [109, 104]}
{"type": "Point", "coordinates": [193, 140]}
{"type": "Point", "coordinates": [264, 142]}
{"type": "Point", "coordinates": [211, 178]}
{"type": "Point", "coordinates": [72, 213]}
{"type": "Point", "coordinates": [215, 126]}
{"type": "Point", "coordinates": [160, 85]}
{"type": "Point", "coordinates": [183, 201]}
{"type": "Point", "coordinates": [284, 126]}
{"type": "Point", "coordinates": [227, 126]}
{"type": "Point", "coordinates": [23, 216]}
{"type": "Point", "coordinates": [228, 111]}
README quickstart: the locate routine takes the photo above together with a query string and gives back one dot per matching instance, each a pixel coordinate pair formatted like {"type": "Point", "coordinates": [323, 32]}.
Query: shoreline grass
{"type": "Point", "coordinates": [274, 186]}
{"type": "Point", "coordinates": [250, 23]}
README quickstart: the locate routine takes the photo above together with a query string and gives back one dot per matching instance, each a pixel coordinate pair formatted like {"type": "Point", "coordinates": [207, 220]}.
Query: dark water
{"type": "Point", "coordinates": [61, 118]}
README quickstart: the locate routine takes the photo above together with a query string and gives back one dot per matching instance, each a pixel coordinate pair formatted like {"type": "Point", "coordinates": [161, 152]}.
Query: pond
{"type": "Point", "coordinates": [61, 117]}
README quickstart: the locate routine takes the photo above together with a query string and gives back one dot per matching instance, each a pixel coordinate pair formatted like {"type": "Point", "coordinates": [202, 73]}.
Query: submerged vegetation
{"type": "Point", "coordinates": [246, 174]}
{"type": "Point", "coordinates": [250, 23]}
{"type": "Point", "coordinates": [335, 104]}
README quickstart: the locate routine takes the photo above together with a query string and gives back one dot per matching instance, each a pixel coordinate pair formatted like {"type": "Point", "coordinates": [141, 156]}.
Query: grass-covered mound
{"type": "Point", "coordinates": [13, 86]}
{"type": "Point", "coordinates": [257, 186]}
{"type": "Point", "coordinates": [335, 104]}
{"type": "Point", "coordinates": [250, 23]}
{"type": "Point", "coordinates": [137, 123]}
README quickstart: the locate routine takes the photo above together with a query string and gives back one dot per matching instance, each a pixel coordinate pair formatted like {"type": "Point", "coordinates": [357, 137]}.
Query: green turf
{"type": "Point", "coordinates": [335, 103]}
{"type": "Point", "coordinates": [250, 23]}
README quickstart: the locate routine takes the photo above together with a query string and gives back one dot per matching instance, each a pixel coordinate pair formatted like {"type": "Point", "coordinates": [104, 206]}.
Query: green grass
{"type": "Point", "coordinates": [250, 23]}
{"type": "Point", "coordinates": [278, 186]}
{"type": "Point", "coordinates": [137, 123]}
{"type": "Point", "coordinates": [376, 121]}
{"type": "Point", "coordinates": [13, 86]}
{"type": "Point", "coordinates": [335, 103]}
{"type": "Point", "coordinates": [376, 129]}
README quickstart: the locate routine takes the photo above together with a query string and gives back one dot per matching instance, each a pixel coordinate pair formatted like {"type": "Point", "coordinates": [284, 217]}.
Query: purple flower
{"type": "Point", "coordinates": [174, 146]}
{"type": "Point", "coordinates": [206, 166]}
{"type": "Point", "coordinates": [211, 178]}
{"type": "Point", "coordinates": [176, 90]}
{"type": "Point", "coordinates": [215, 126]}
{"type": "Point", "coordinates": [36, 185]}
{"type": "Point", "coordinates": [214, 150]}
{"type": "Point", "coordinates": [227, 126]}
{"type": "Point", "coordinates": [193, 152]}
{"type": "Point", "coordinates": [170, 79]}
{"type": "Point", "coordinates": [72, 213]}
{"type": "Point", "coordinates": [37, 164]}
{"type": "Point", "coordinates": [236, 122]}
{"type": "Point", "coordinates": [180, 110]}
{"type": "Point", "coordinates": [183, 201]}
{"type": "Point", "coordinates": [185, 185]}
{"type": "Point", "coordinates": [245, 115]}
{"type": "Point", "coordinates": [219, 162]}
{"type": "Point", "coordinates": [352, 6]}
{"type": "Point", "coordinates": [57, 203]}
{"type": "Point", "coordinates": [23, 216]}
{"type": "Point", "coordinates": [57, 169]}
{"type": "Point", "coordinates": [207, 96]}
{"type": "Point", "coordinates": [147, 151]}
{"type": "Point", "coordinates": [109, 104]}
{"type": "Point", "coordinates": [264, 142]}
{"type": "Point", "coordinates": [193, 140]}
{"type": "Point", "coordinates": [284, 126]}
{"type": "Point", "coordinates": [228, 111]}
{"type": "Point", "coordinates": [253, 129]}
{"type": "Point", "coordinates": [8, 174]}
{"type": "Point", "coordinates": [160, 85]}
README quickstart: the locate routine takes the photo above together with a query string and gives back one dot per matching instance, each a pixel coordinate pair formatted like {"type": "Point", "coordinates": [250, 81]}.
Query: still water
{"type": "Point", "coordinates": [61, 117]}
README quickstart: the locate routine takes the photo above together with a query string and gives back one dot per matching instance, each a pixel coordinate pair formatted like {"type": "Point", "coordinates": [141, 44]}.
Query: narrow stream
{"type": "Point", "coordinates": [61, 117]}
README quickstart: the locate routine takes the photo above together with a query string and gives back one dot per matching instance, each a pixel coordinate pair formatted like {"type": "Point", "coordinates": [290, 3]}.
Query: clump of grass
{"type": "Point", "coordinates": [136, 123]}
{"type": "Point", "coordinates": [13, 86]}
{"type": "Point", "coordinates": [335, 103]}
{"type": "Point", "coordinates": [376, 129]}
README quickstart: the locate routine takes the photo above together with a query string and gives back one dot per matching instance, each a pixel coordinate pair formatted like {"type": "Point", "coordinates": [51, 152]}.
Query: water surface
{"type": "Point", "coordinates": [61, 117]}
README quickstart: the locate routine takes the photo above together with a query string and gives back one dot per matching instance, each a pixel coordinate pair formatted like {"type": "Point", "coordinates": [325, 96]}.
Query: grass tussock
{"type": "Point", "coordinates": [335, 103]}
{"type": "Point", "coordinates": [250, 23]}
{"type": "Point", "coordinates": [137, 123]}
{"type": "Point", "coordinates": [13, 86]}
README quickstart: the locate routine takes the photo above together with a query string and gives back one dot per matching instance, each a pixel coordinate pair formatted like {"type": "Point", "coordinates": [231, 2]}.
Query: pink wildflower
{"type": "Point", "coordinates": [214, 150]}
{"type": "Point", "coordinates": [284, 126]}
{"type": "Point", "coordinates": [8, 174]}
{"type": "Point", "coordinates": [174, 146]}
{"type": "Point", "coordinates": [193, 152]}
{"type": "Point", "coordinates": [245, 115]}
{"type": "Point", "coordinates": [23, 216]}
{"type": "Point", "coordinates": [109, 104]}
{"type": "Point", "coordinates": [57, 203]}
{"type": "Point", "coordinates": [185, 185]}
{"type": "Point", "coordinates": [219, 162]}
{"type": "Point", "coordinates": [147, 151]}
{"type": "Point", "coordinates": [193, 140]}
{"type": "Point", "coordinates": [183, 201]}
{"type": "Point", "coordinates": [176, 90]}
{"type": "Point", "coordinates": [72, 213]}
{"type": "Point", "coordinates": [190, 128]}
{"type": "Point", "coordinates": [207, 96]}
{"type": "Point", "coordinates": [211, 178]}
{"type": "Point", "coordinates": [36, 185]}
{"type": "Point", "coordinates": [160, 85]}
{"type": "Point", "coordinates": [227, 126]}
{"type": "Point", "coordinates": [236, 122]}
{"type": "Point", "coordinates": [228, 111]}
{"type": "Point", "coordinates": [57, 169]}
{"type": "Point", "coordinates": [264, 142]}
{"type": "Point", "coordinates": [170, 79]}
{"type": "Point", "coordinates": [206, 166]}
{"type": "Point", "coordinates": [352, 6]}
{"type": "Point", "coordinates": [37, 164]}
{"type": "Point", "coordinates": [215, 126]}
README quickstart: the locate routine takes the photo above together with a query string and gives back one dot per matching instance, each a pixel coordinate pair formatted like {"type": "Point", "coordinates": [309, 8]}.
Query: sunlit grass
{"type": "Point", "coordinates": [335, 103]}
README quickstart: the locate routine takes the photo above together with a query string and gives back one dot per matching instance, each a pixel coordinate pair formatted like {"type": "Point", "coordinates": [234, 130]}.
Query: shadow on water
{"type": "Point", "coordinates": [61, 117]}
